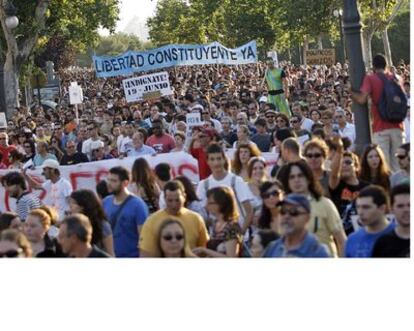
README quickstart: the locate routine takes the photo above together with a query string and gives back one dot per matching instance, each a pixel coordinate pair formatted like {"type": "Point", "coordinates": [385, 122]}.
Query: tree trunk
{"type": "Point", "coordinates": [387, 48]}
{"type": "Point", "coordinates": [305, 48]}
{"type": "Point", "coordinates": [367, 49]}
{"type": "Point", "coordinates": [11, 84]}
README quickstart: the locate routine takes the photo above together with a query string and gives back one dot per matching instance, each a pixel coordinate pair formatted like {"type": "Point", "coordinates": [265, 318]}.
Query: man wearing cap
{"type": "Point", "coordinates": [98, 151]}
{"type": "Point", "coordinates": [205, 137]}
{"type": "Point", "coordinates": [297, 241]}
{"type": "Point", "coordinates": [72, 156]}
{"type": "Point", "coordinates": [270, 115]}
{"type": "Point", "coordinates": [57, 188]}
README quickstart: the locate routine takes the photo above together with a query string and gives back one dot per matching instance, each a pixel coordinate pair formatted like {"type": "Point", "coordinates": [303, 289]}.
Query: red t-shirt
{"type": "Point", "coordinates": [5, 152]}
{"type": "Point", "coordinates": [163, 144]}
{"type": "Point", "coordinates": [373, 85]}
{"type": "Point", "coordinates": [201, 156]}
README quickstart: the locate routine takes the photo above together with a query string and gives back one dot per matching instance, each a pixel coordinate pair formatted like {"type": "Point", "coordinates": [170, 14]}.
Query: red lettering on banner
{"type": "Point", "coordinates": [75, 175]}
{"type": "Point", "coordinates": [189, 167]}
{"type": "Point", "coordinates": [101, 173]}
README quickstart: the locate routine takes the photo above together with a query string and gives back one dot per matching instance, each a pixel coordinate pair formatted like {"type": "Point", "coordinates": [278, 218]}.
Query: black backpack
{"type": "Point", "coordinates": [392, 106]}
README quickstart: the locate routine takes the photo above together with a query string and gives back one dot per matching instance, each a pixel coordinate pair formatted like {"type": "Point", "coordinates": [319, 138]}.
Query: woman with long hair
{"type": "Point", "coordinates": [172, 241]}
{"type": "Point", "coordinates": [316, 153]}
{"type": "Point", "coordinates": [271, 193]}
{"type": "Point", "coordinates": [144, 184]}
{"type": "Point", "coordinates": [242, 155]}
{"type": "Point", "coordinates": [282, 121]}
{"type": "Point", "coordinates": [15, 159]}
{"type": "Point", "coordinates": [325, 221]}
{"type": "Point", "coordinates": [192, 201]}
{"type": "Point", "coordinates": [35, 228]}
{"type": "Point", "coordinates": [226, 237]}
{"type": "Point", "coordinates": [87, 203]}
{"type": "Point", "coordinates": [374, 167]}
{"type": "Point", "coordinates": [257, 176]}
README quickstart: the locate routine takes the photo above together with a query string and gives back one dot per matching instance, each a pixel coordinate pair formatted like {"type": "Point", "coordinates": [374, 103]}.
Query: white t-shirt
{"type": "Point", "coordinates": [59, 193]}
{"type": "Point", "coordinates": [307, 124]}
{"type": "Point", "coordinates": [243, 192]}
{"type": "Point", "coordinates": [126, 143]}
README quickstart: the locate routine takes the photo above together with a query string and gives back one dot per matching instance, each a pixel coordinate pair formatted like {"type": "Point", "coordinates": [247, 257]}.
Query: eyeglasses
{"type": "Point", "coordinates": [348, 162]}
{"type": "Point", "coordinates": [267, 195]}
{"type": "Point", "coordinates": [313, 156]}
{"type": "Point", "coordinates": [270, 116]}
{"type": "Point", "coordinates": [169, 237]}
{"type": "Point", "coordinates": [11, 253]}
{"type": "Point", "coordinates": [294, 121]}
{"type": "Point", "coordinates": [293, 212]}
{"type": "Point", "coordinates": [401, 157]}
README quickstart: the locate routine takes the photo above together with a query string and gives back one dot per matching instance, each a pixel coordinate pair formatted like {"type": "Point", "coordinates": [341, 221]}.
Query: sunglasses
{"type": "Point", "coordinates": [401, 157]}
{"type": "Point", "coordinates": [348, 162]}
{"type": "Point", "coordinates": [267, 195]}
{"type": "Point", "coordinates": [270, 116]}
{"type": "Point", "coordinates": [293, 212]}
{"type": "Point", "coordinates": [11, 253]}
{"type": "Point", "coordinates": [294, 122]}
{"type": "Point", "coordinates": [169, 237]}
{"type": "Point", "coordinates": [313, 156]}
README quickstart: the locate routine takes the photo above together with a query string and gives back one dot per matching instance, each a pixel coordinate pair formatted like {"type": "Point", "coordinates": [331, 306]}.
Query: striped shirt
{"type": "Point", "coordinates": [26, 203]}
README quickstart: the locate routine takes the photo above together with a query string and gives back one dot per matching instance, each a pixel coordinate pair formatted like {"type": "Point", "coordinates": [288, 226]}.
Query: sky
{"type": "Point", "coordinates": [131, 8]}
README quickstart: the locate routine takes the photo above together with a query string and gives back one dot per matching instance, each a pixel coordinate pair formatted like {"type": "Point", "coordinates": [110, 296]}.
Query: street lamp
{"type": "Point", "coordinates": [11, 23]}
{"type": "Point", "coordinates": [352, 31]}
{"type": "Point", "coordinates": [338, 14]}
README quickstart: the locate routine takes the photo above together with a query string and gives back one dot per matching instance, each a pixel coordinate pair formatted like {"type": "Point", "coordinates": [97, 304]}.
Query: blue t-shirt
{"type": "Point", "coordinates": [361, 243]}
{"type": "Point", "coordinates": [125, 234]}
{"type": "Point", "coordinates": [310, 247]}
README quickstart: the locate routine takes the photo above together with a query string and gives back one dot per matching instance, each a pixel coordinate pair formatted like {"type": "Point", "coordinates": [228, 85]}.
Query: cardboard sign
{"type": "Point", "coordinates": [193, 119]}
{"type": "Point", "coordinates": [75, 94]}
{"type": "Point", "coordinates": [320, 56]}
{"type": "Point", "coordinates": [147, 87]}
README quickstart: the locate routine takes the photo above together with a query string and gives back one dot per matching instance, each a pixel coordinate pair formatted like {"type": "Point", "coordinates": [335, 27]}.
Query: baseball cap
{"type": "Point", "coordinates": [263, 99]}
{"type": "Point", "coordinates": [50, 163]}
{"type": "Point", "coordinates": [296, 200]}
{"type": "Point", "coordinates": [97, 144]}
{"type": "Point", "coordinates": [270, 111]}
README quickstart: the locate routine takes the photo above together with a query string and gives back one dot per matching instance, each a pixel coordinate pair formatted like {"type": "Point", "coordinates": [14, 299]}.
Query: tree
{"type": "Point", "coordinates": [377, 15]}
{"type": "Point", "coordinates": [117, 43]}
{"type": "Point", "coordinates": [76, 20]}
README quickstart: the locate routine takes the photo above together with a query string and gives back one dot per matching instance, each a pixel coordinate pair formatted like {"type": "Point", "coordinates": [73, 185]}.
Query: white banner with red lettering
{"type": "Point", "coordinates": [87, 175]}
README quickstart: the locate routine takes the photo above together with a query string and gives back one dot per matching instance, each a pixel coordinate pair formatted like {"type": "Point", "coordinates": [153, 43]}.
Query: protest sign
{"type": "Point", "coordinates": [75, 94]}
{"type": "Point", "coordinates": [173, 55]}
{"type": "Point", "coordinates": [147, 87]}
{"type": "Point", "coordinates": [320, 56]}
{"type": "Point", "coordinates": [193, 119]}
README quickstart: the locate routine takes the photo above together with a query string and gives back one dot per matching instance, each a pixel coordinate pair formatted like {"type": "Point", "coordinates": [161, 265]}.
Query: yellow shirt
{"type": "Point", "coordinates": [195, 230]}
{"type": "Point", "coordinates": [325, 221]}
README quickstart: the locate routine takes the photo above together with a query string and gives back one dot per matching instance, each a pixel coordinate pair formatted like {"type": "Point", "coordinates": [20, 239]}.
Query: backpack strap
{"type": "Point", "coordinates": [115, 217]}
{"type": "Point", "coordinates": [233, 186]}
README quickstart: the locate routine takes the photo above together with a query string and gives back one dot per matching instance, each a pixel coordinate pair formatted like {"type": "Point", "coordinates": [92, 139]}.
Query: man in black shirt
{"type": "Point", "coordinates": [75, 236]}
{"type": "Point", "coordinates": [397, 242]}
{"type": "Point", "coordinates": [72, 156]}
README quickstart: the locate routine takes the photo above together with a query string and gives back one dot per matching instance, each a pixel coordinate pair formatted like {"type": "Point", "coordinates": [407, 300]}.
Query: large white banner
{"type": "Point", "coordinates": [87, 175]}
{"type": "Point", "coordinates": [142, 87]}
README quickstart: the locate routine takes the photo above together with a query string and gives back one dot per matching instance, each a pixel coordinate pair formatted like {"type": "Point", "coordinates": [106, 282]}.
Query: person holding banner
{"type": "Point", "coordinates": [277, 87]}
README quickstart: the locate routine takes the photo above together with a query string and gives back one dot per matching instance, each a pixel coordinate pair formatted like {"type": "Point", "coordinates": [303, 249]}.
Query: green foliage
{"type": "Point", "coordinates": [117, 43]}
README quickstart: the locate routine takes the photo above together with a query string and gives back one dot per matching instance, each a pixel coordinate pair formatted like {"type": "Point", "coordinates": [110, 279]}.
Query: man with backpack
{"type": "Point", "coordinates": [388, 108]}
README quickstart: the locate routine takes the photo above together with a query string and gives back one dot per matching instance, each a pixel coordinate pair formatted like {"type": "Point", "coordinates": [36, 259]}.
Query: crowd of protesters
{"type": "Point", "coordinates": [320, 199]}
